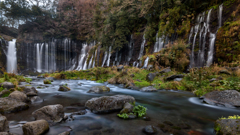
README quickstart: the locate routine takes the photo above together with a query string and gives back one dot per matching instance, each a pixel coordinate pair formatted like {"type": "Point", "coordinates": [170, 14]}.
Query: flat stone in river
{"type": "Point", "coordinates": [108, 103]}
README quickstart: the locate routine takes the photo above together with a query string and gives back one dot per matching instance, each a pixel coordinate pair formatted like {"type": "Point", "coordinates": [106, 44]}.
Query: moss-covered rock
{"type": "Point", "coordinates": [227, 127]}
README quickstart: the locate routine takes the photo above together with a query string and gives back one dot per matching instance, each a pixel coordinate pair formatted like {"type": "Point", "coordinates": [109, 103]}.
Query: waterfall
{"type": "Point", "coordinates": [159, 43]}
{"type": "Point", "coordinates": [109, 56]}
{"type": "Point", "coordinates": [134, 63]}
{"type": "Point", "coordinates": [142, 48]}
{"type": "Point", "coordinates": [46, 57]}
{"type": "Point", "coordinates": [145, 63]}
{"type": "Point", "coordinates": [81, 57]}
{"type": "Point", "coordinates": [192, 63]}
{"type": "Point", "coordinates": [11, 57]}
{"type": "Point", "coordinates": [93, 66]}
{"type": "Point", "coordinates": [104, 58]}
{"type": "Point", "coordinates": [39, 57]}
{"type": "Point", "coordinates": [213, 37]}
{"type": "Point", "coordinates": [90, 62]}
{"type": "Point", "coordinates": [130, 49]}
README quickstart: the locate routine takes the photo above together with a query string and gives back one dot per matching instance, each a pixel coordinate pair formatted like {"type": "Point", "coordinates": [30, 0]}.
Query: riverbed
{"type": "Point", "coordinates": [174, 107]}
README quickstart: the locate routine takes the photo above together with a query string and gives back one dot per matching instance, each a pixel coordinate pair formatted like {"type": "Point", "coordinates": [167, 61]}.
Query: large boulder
{"type": "Point", "coordinates": [108, 103]}
{"type": "Point", "coordinates": [172, 77]}
{"type": "Point", "coordinates": [50, 113]}
{"type": "Point", "coordinates": [9, 105]}
{"type": "Point", "coordinates": [46, 81]}
{"type": "Point", "coordinates": [3, 124]}
{"type": "Point", "coordinates": [227, 127]}
{"type": "Point", "coordinates": [64, 88]}
{"type": "Point", "coordinates": [99, 89]}
{"type": "Point", "coordinates": [35, 128]}
{"type": "Point", "coordinates": [227, 98]}
{"type": "Point", "coordinates": [30, 91]}
{"type": "Point", "coordinates": [19, 96]}
{"type": "Point", "coordinates": [148, 89]}
{"type": "Point", "coordinates": [150, 77]}
{"type": "Point", "coordinates": [7, 85]}
{"type": "Point", "coordinates": [166, 70]}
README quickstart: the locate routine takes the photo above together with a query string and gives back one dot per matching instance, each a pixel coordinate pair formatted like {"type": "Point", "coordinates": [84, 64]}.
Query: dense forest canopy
{"type": "Point", "coordinates": [110, 22]}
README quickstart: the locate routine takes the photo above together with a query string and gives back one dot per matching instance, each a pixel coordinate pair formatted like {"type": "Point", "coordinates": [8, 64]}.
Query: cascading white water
{"type": "Point", "coordinates": [142, 48]}
{"type": "Point", "coordinates": [39, 57]}
{"type": "Point", "coordinates": [46, 57]}
{"type": "Point", "coordinates": [81, 57]}
{"type": "Point", "coordinates": [145, 63]}
{"type": "Point", "coordinates": [213, 37]}
{"type": "Point", "coordinates": [104, 58]}
{"type": "Point", "coordinates": [134, 63]}
{"type": "Point", "coordinates": [109, 56]}
{"type": "Point", "coordinates": [192, 63]}
{"type": "Point", "coordinates": [90, 62]}
{"type": "Point", "coordinates": [93, 66]}
{"type": "Point", "coordinates": [159, 43]}
{"type": "Point", "coordinates": [12, 57]}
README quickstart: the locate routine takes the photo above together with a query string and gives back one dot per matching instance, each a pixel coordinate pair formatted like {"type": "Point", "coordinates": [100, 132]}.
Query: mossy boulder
{"type": "Point", "coordinates": [224, 72]}
{"type": "Point", "coordinates": [108, 103]}
{"type": "Point", "coordinates": [46, 81]}
{"type": "Point", "coordinates": [150, 77]}
{"type": "Point", "coordinates": [227, 127]}
{"type": "Point", "coordinates": [99, 89]}
{"type": "Point", "coordinates": [64, 88]}
{"type": "Point", "coordinates": [5, 93]}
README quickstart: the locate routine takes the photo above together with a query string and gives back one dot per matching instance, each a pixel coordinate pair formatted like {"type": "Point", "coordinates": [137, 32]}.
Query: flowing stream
{"type": "Point", "coordinates": [177, 107]}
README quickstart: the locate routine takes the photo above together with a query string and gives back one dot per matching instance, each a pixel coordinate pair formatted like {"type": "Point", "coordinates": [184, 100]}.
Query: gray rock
{"type": "Point", "coordinates": [128, 108]}
{"type": "Point", "coordinates": [36, 99]}
{"type": "Point", "coordinates": [63, 88]}
{"type": "Point", "coordinates": [30, 91]}
{"type": "Point", "coordinates": [3, 124]}
{"type": "Point", "coordinates": [9, 105]}
{"type": "Point", "coordinates": [132, 75]}
{"type": "Point", "coordinates": [150, 67]}
{"type": "Point", "coordinates": [227, 127]}
{"type": "Point", "coordinates": [149, 130]}
{"type": "Point", "coordinates": [150, 77]}
{"type": "Point", "coordinates": [19, 96]}
{"type": "Point", "coordinates": [108, 103]}
{"type": "Point", "coordinates": [4, 92]}
{"type": "Point", "coordinates": [172, 77]}
{"type": "Point", "coordinates": [35, 128]}
{"type": "Point", "coordinates": [7, 85]}
{"type": "Point", "coordinates": [165, 70]}
{"type": "Point", "coordinates": [65, 133]}
{"type": "Point", "coordinates": [50, 113]}
{"type": "Point", "coordinates": [133, 88]}
{"type": "Point", "coordinates": [99, 89]}
{"type": "Point", "coordinates": [148, 89]}
{"type": "Point", "coordinates": [227, 98]}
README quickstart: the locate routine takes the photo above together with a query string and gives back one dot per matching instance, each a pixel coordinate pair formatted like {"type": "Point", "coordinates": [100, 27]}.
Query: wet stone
{"type": "Point", "coordinates": [149, 130]}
